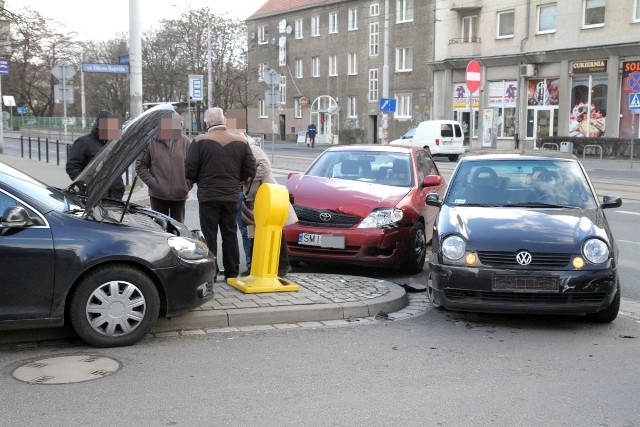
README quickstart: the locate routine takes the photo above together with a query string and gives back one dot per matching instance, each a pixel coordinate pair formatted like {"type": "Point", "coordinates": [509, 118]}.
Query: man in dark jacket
{"type": "Point", "coordinates": [217, 162]}
{"type": "Point", "coordinates": [84, 149]}
{"type": "Point", "coordinates": [161, 167]}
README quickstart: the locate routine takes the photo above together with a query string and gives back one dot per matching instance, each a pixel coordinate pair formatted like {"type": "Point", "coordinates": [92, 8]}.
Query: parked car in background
{"type": "Point", "coordinates": [439, 137]}
{"type": "Point", "coordinates": [524, 234]}
{"type": "Point", "coordinates": [107, 267]}
{"type": "Point", "coordinates": [364, 205]}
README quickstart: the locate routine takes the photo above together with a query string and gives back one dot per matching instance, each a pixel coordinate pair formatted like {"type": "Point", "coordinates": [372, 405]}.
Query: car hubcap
{"type": "Point", "coordinates": [116, 308]}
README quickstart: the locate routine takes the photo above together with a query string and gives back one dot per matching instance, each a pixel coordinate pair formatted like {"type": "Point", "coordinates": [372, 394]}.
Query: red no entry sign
{"type": "Point", "coordinates": [473, 76]}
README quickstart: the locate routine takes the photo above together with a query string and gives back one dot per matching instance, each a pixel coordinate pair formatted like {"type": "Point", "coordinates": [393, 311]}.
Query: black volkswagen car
{"type": "Point", "coordinates": [524, 234]}
{"type": "Point", "coordinates": [107, 267]}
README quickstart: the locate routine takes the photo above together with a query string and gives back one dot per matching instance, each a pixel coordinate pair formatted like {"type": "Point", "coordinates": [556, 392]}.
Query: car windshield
{"type": "Point", "coordinates": [386, 168]}
{"type": "Point", "coordinates": [520, 183]}
{"type": "Point", "coordinates": [51, 197]}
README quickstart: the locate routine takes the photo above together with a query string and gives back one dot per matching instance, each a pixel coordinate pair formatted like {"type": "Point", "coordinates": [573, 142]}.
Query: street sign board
{"type": "Point", "coordinates": [106, 68]}
{"type": "Point", "coordinates": [473, 75]}
{"type": "Point", "coordinates": [388, 104]}
{"type": "Point", "coordinates": [272, 78]}
{"type": "Point", "coordinates": [196, 86]}
{"type": "Point", "coordinates": [272, 99]}
{"type": "Point", "coordinates": [634, 101]}
{"type": "Point", "coordinates": [63, 70]}
{"type": "Point", "coordinates": [123, 59]}
{"type": "Point", "coordinates": [61, 94]}
{"type": "Point", "coordinates": [4, 66]}
{"type": "Point", "coordinates": [22, 110]}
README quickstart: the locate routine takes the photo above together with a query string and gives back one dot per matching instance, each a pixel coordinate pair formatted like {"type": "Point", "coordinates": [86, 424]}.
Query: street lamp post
{"type": "Point", "coordinates": [209, 79]}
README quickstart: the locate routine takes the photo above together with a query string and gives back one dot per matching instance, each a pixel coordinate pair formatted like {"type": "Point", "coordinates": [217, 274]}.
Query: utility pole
{"type": "Point", "coordinates": [135, 59]}
{"type": "Point", "coordinates": [385, 73]}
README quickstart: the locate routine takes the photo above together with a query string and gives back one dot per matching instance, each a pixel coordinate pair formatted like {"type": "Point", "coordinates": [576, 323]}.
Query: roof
{"type": "Point", "coordinates": [542, 154]}
{"type": "Point", "coordinates": [277, 7]}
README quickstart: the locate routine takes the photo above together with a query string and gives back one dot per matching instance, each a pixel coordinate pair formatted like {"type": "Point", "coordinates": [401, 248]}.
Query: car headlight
{"type": "Point", "coordinates": [595, 251]}
{"type": "Point", "coordinates": [453, 247]}
{"type": "Point", "coordinates": [188, 249]}
{"type": "Point", "coordinates": [382, 218]}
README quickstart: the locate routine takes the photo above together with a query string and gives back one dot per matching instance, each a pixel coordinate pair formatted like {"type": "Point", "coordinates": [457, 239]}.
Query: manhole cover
{"type": "Point", "coordinates": [66, 369]}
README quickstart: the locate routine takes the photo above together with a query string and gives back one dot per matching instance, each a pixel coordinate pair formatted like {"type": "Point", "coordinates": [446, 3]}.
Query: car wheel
{"type": "Point", "coordinates": [417, 249]}
{"type": "Point", "coordinates": [453, 157]}
{"type": "Point", "coordinates": [610, 313]}
{"type": "Point", "coordinates": [114, 306]}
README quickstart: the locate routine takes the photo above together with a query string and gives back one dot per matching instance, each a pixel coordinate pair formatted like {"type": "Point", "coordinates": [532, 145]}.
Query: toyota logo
{"type": "Point", "coordinates": [326, 217]}
{"type": "Point", "coordinates": [523, 258]}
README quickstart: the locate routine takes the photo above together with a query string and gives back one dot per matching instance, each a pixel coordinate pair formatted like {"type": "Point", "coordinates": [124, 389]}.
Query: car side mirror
{"type": "Point", "coordinates": [611, 202]}
{"type": "Point", "coordinates": [432, 181]}
{"type": "Point", "coordinates": [433, 199]}
{"type": "Point", "coordinates": [16, 217]}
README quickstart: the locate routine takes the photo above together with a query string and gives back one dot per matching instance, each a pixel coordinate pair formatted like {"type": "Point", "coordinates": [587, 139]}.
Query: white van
{"type": "Point", "coordinates": [440, 137]}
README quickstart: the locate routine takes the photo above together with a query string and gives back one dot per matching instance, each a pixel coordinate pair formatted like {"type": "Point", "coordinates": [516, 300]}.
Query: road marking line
{"type": "Point", "coordinates": [628, 241]}
{"type": "Point", "coordinates": [628, 212]}
{"type": "Point", "coordinates": [630, 308]}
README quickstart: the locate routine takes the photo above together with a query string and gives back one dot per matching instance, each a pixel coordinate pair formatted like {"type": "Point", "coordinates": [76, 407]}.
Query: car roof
{"type": "Point", "coordinates": [545, 155]}
{"type": "Point", "coordinates": [375, 148]}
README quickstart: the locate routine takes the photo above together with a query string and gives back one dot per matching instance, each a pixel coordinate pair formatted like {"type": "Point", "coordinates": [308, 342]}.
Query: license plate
{"type": "Point", "coordinates": [321, 240]}
{"type": "Point", "coordinates": [525, 284]}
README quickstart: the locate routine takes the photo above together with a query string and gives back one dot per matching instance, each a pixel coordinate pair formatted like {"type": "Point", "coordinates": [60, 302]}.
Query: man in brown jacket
{"type": "Point", "coordinates": [217, 162]}
{"type": "Point", "coordinates": [161, 167]}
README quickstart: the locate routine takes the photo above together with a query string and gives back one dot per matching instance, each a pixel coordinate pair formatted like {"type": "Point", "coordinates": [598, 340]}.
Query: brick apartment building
{"type": "Point", "coordinates": [548, 68]}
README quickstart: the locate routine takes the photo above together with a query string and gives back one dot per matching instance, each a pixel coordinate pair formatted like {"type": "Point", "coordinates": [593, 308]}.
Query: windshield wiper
{"type": "Point", "coordinates": [539, 205]}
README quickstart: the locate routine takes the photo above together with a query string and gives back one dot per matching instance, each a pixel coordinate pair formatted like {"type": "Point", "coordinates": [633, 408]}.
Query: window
{"type": "Point", "coordinates": [333, 22]}
{"type": "Point", "coordinates": [333, 65]}
{"type": "Point", "coordinates": [353, 19]}
{"type": "Point", "coordinates": [404, 60]}
{"type": "Point", "coordinates": [636, 11]}
{"type": "Point", "coordinates": [374, 38]}
{"type": "Point", "coordinates": [593, 13]}
{"type": "Point", "coordinates": [262, 108]}
{"type": "Point", "coordinates": [547, 18]}
{"type": "Point", "coordinates": [299, 68]}
{"type": "Point", "coordinates": [373, 85]}
{"type": "Point", "coordinates": [505, 24]}
{"type": "Point", "coordinates": [299, 25]}
{"type": "Point", "coordinates": [470, 29]}
{"type": "Point", "coordinates": [315, 66]}
{"type": "Point", "coordinates": [351, 107]}
{"type": "Point", "coordinates": [502, 96]}
{"type": "Point", "coordinates": [404, 10]}
{"type": "Point", "coordinates": [352, 63]}
{"type": "Point", "coordinates": [283, 89]}
{"type": "Point", "coordinates": [297, 109]}
{"type": "Point", "coordinates": [403, 107]}
{"type": "Point", "coordinates": [262, 69]}
{"type": "Point", "coordinates": [374, 9]}
{"type": "Point", "coordinates": [263, 34]}
{"type": "Point", "coordinates": [315, 26]}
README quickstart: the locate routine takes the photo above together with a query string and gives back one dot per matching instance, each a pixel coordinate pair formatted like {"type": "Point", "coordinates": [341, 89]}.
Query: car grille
{"type": "Point", "coordinates": [533, 298]}
{"type": "Point", "coordinates": [538, 259]}
{"type": "Point", "coordinates": [311, 217]}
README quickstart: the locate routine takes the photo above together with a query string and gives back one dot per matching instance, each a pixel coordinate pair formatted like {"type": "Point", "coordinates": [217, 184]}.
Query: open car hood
{"type": "Point", "coordinates": [112, 161]}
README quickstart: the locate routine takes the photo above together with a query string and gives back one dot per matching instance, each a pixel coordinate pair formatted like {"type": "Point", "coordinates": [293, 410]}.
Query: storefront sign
{"type": "Point", "coordinates": [630, 67]}
{"type": "Point", "coordinates": [589, 67]}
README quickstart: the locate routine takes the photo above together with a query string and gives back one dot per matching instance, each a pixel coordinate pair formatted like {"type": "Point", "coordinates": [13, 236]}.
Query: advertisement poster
{"type": "Point", "coordinates": [543, 92]}
{"type": "Point", "coordinates": [461, 97]}
{"type": "Point", "coordinates": [630, 121]}
{"type": "Point", "coordinates": [489, 127]}
{"type": "Point", "coordinates": [589, 106]}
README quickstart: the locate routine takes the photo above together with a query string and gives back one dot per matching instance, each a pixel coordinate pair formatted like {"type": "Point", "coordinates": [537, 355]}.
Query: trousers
{"type": "Point", "coordinates": [222, 215]}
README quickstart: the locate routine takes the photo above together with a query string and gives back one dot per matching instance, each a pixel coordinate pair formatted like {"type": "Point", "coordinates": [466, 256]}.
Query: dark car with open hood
{"type": "Point", "coordinates": [107, 267]}
{"type": "Point", "coordinates": [524, 234]}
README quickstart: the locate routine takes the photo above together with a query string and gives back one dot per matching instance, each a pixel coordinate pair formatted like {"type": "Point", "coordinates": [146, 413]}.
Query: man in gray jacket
{"type": "Point", "coordinates": [161, 167]}
{"type": "Point", "coordinates": [217, 162]}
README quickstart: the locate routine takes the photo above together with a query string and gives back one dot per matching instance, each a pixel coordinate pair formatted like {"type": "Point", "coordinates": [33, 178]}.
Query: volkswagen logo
{"type": "Point", "coordinates": [523, 258]}
{"type": "Point", "coordinates": [325, 216]}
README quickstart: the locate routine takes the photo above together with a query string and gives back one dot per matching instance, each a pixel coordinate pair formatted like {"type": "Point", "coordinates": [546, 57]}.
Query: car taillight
{"type": "Point", "coordinates": [437, 141]}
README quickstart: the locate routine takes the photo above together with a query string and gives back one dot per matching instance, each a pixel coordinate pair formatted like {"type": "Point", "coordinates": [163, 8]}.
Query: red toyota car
{"type": "Point", "coordinates": [364, 205]}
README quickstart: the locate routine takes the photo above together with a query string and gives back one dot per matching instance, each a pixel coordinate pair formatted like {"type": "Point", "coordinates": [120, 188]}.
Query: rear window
{"type": "Point", "coordinates": [446, 131]}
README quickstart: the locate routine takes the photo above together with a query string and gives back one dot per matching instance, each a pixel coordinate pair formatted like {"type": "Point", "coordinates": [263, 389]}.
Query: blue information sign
{"type": "Point", "coordinates": [106, 68]}
{"type": "Point", "coordinates": [388, 104]}
{"type": "Point", "coordinates": [4, 66]}
{"type": "Point", "coordinates": [634, 101]}
{"type": "Point", "coordinates": [22, 110]}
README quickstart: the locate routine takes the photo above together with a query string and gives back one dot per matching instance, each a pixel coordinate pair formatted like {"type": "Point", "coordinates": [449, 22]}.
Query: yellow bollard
{"type": "Point", "coordinates": [270, 212]}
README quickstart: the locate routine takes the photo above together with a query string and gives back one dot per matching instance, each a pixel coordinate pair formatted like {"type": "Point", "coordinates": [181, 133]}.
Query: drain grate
{"type": "Point", "coordinates": [66, 369]}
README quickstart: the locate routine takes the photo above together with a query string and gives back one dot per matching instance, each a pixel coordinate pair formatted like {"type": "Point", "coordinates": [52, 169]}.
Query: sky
{"type": "Point", "coordinates": [101, 20]}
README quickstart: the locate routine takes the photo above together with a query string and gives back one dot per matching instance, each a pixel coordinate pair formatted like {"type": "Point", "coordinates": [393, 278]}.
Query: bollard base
{"type": "Point", "coordinates": [252, 284]}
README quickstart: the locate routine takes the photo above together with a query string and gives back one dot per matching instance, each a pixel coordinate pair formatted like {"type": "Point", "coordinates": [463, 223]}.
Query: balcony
{"type": "Point", "coordinates": [468, 47]}
{"type": "Point", "coordinates": [465, 5]}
